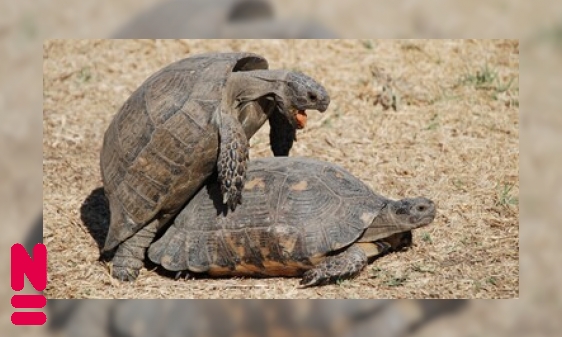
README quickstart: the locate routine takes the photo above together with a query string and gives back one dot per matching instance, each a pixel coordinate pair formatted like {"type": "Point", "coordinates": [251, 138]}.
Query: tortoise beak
{"type": "Point", "coordinates": [323, 106]}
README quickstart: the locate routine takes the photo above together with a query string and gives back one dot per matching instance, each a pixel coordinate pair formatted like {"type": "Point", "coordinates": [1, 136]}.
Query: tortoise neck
{"type": "Point", "coordinates": [383, 223]}
{"type": "Point", "coordinates": [385, 218]}
{"type": "Point", "coordinates": [252, 96]}
{"type": "Point", "coordinates": [248, 86]}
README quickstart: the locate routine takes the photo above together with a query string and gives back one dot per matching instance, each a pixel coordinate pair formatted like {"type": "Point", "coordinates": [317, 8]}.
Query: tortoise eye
{"type": "Point", "coordinates": [312, 96]}
{"type": "Point", "coordinates": [421, 208]}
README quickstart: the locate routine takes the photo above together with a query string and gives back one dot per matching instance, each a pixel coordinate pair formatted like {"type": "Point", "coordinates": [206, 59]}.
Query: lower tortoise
{"type": "Point", "coordinates": [301, 217]}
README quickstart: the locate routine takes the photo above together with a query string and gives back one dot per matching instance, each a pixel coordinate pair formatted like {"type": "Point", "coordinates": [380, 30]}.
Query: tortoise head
{"type": "Point", "coordinates": [411, 213]}
{"type": "Point", "coordinates": [303, 93]}
{"type": "Point", "coordinates": [396, 220]}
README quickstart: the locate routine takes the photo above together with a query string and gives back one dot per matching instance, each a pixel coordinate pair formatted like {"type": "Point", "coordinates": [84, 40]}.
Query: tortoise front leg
{"type": "Point", "coordinates": [344, 265]}
{"type": "Point", "coordinates": [281, 135]}
{"type": "Point", "coordinates": [233, 154]}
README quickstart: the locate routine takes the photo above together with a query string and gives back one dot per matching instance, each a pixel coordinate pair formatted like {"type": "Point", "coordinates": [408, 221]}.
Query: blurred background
{"type": "Point", "coordinates": [25, 24]}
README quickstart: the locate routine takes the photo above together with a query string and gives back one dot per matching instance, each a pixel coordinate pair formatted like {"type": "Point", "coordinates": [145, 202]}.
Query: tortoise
{"type": "Point", "coordinates": [185, 122]}
{"type": "Point", "coordinates": [219, 19]}
{"type": "Point", "coordinates": [177, 317]}
{"type": "Point", "coordinates": [301, 217]}
{"type": "Point", "coordinates": [193, 18]}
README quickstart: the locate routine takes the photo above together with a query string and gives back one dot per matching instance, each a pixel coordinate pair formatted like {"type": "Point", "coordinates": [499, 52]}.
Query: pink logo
{"type": "Point", "coordinates": [35, 268]}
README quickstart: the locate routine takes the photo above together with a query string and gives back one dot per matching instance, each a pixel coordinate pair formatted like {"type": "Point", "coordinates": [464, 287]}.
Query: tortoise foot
{"type": "Point", "coordinates": [338, 267]}
{"type": "Point", "coordinates": [125, 274]}
{"type": "Point", "coordinates": [125, 268]}
{"type": "Point", "coordinates": [129, 257]}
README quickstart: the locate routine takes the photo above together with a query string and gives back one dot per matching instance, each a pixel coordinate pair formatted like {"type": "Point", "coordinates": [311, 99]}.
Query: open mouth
{"type": "Point", "coordinates": [300, 118]}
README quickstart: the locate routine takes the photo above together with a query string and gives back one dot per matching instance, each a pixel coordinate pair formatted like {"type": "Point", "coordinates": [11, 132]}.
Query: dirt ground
{"type": "Point", "coordinates": [454, 138]}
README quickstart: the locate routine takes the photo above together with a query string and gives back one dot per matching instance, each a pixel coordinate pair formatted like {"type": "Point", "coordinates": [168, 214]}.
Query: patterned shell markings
{"type": "Point", "coordinates": [161, 145]}
{"type": "Point", "coordinates": [295, 211]}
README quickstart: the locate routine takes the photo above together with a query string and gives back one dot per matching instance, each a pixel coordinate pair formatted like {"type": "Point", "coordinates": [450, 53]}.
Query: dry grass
{"type": "Point", "coordinates": [454, 138]}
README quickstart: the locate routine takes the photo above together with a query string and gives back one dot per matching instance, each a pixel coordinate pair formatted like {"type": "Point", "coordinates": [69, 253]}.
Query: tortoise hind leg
{"type": "Point", "coordinates": [344, 265]}
{"type": "Point", "coordinates": [129, 257]}
{"type": "Point", "coordinates": [233, 154]}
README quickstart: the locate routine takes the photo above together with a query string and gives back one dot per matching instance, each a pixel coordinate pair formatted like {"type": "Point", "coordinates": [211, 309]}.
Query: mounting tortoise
{"type": "Point", "coordinates": [300, 216]}
{"type": "Point", "coordinates": [219, 19]}
{"type": "Point", "coordinates": [187, 119]}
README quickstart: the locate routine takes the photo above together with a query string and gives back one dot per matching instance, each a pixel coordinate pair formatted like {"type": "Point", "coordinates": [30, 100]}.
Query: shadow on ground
{"type": "Point", "coordinates": [94, 214]}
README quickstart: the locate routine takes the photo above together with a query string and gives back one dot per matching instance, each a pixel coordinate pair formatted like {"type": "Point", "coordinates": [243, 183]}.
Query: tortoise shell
{"type": "Point", "coordinates": [163, 144]}
{"type": "Point", "coordinates": [296, 211]}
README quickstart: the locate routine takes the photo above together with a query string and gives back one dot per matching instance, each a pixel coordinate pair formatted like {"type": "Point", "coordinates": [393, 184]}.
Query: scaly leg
{"type": "Point", "coordinates": [129, 257]}
{"type": "Point", "coordinates": [344, 265]}
{"type": "Point", "coordinates": [233, 155]}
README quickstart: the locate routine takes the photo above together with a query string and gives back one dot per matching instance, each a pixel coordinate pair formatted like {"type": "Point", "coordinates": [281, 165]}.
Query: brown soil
{"type": "Point", "coordinates": [454, 138]}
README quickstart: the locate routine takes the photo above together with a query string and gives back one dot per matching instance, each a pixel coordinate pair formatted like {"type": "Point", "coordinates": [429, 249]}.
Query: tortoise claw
{"type": "Point", "coordinates": [310, 278]}
{"type": "Point", "coordinates": [186, 277]}
{"type": "Point", "coordinates": [232, 199]}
